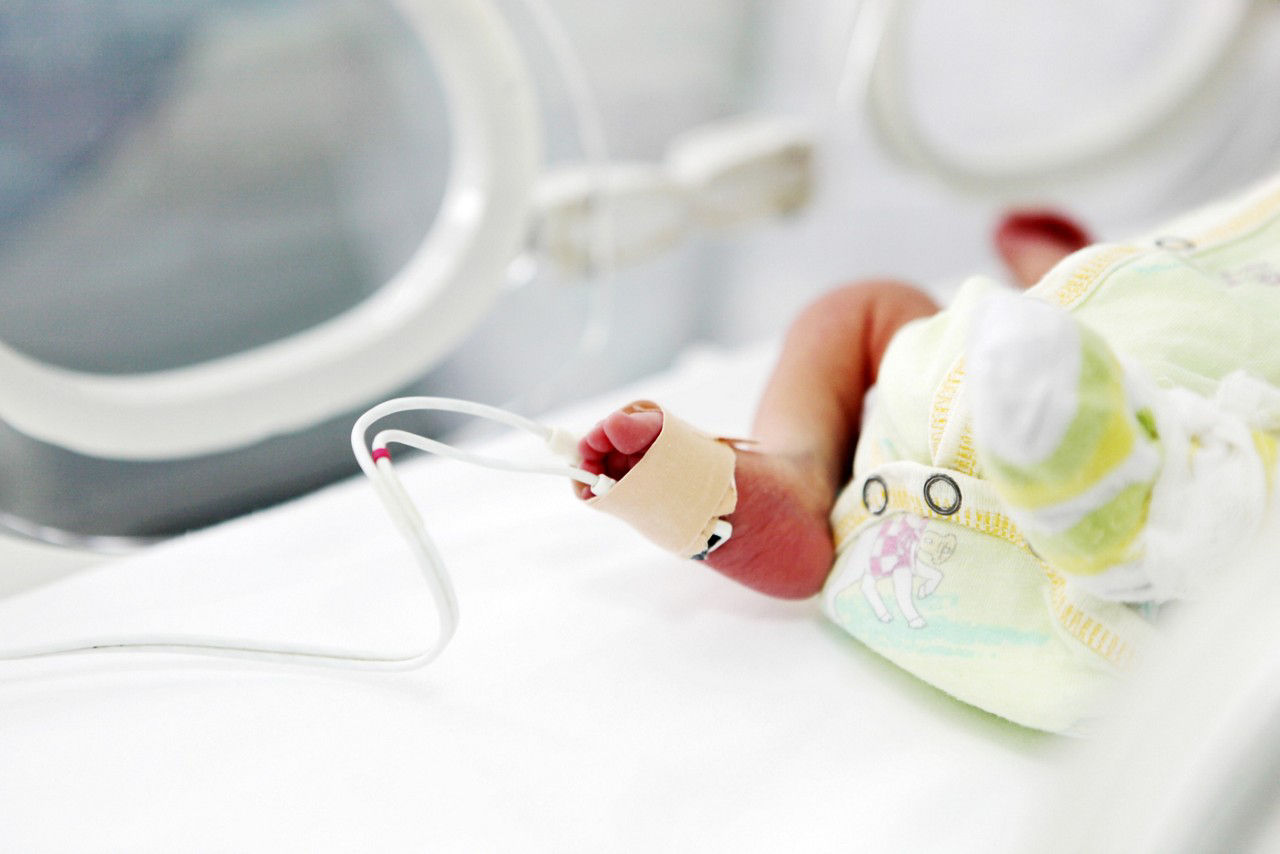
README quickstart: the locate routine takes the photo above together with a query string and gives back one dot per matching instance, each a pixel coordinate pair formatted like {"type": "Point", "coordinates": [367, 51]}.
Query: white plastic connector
{"type": "Point", "coordinates": [743, 169]}
{"type": "Point", "coordinates": [603, 484]}
{"type": "Point", "coordinates": [644, 212]}
{"type": "Point", "coordinates": [749, 168]}
{"type": "Point", "coordinates": [564, 444]}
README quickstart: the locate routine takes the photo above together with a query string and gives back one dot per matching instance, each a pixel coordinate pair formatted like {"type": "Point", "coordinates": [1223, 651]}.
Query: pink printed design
{"type": "Point", "coordinates": [905, 549]}
{"type": "Point", "coordinates": [1253, 273]}
{"type": "Point", "coordinates": [895, 545]}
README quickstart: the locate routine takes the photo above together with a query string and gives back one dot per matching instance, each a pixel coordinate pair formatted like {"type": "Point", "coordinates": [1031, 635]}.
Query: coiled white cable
{"type": "Point", "coordinates": [375, 461]}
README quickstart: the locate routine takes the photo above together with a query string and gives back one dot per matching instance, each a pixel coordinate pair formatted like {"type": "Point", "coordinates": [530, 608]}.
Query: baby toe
{"type": "Point", "coordinates": [596, 440]}
{"type": "Point", "coordinates": [632, 432]}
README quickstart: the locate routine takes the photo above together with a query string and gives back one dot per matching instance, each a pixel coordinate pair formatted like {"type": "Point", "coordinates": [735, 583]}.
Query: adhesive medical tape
{"type": "Point", "coordinates": [678, 490]}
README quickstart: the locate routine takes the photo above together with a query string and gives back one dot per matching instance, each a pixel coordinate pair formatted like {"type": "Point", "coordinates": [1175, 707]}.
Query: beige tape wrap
{"type": "Point", "coordinates": [678, 490]}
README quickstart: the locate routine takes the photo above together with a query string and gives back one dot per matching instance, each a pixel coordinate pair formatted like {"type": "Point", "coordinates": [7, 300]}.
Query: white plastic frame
{"type": "Point", "coordinates": [369, 350]}
{"type": "Point", "coordinates": [1196, 65]}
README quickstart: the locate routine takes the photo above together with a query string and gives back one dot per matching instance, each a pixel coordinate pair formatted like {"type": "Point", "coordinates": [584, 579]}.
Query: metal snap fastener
{"type": "Point", "coordinates": [875, 494]}
{"type": "Point", "coordinates": [942, 494]}
{"type": "Point", "coordinates": [1175, 244]}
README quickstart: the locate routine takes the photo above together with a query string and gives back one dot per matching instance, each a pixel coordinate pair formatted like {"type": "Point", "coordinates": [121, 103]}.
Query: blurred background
{"type": "Point", "coordinates": [187, 180]}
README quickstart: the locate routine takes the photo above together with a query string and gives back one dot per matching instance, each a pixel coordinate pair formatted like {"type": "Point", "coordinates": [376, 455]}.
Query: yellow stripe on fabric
{"type": "Point", "coordinates": [901, 500]}
{"type": "Point", "coordinates": [1086, 277]}
{"type": "Point", "coordinates": [1088, 630]}
{"type": "Point", "coordinates": [966, 461]}
{"type": "Point", "coordinates": [1256, 214]}
{"type": "Point", "coordinates": [943, 401]}
{"type": "Point", "coordinates": [1267, 451]}
{"type": "Point", "coordinates": [941, 413]}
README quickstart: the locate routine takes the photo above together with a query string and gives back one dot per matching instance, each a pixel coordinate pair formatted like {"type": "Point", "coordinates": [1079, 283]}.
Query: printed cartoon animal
{"type": "Point", "coordinates": [903, 549]}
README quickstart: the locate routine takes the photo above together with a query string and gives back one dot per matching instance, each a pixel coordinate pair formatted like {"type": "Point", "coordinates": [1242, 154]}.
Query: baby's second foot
{"type": "Point", "coordinates": [781, 543]}
{"type": "Point", "coordinates": [1031, 242]}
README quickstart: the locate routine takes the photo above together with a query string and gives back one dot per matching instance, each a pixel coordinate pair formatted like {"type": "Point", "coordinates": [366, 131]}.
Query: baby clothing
{"type": "Point", "coordinates": [1036, 469]}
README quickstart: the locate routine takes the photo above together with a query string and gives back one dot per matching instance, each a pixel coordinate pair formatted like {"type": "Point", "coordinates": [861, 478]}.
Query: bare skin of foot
{"type": "Point", "coordinates": [1031, 242]}
{"type": "Point", "coordinates": [806, 426]}
{"type": "Point", "coordinates": [780, 544]}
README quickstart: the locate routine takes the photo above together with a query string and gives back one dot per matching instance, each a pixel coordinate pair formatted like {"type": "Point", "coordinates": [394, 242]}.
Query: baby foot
{"type": "Point", "coordinates": [1059, 435]}
{"type": "Point", "coordinates": [781, 543]}
{"type": "Point", "coordinates": [617, 443]}
{"type": "Point", "coordinates": [1031, 242]}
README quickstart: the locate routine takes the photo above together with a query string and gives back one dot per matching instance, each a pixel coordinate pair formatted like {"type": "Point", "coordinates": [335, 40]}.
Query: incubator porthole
{"type": "Point", "coordinates": [218, 187]}
{"type": "Point", "coordinates": [875, 495]}
{"type": "Point", "coordinates": [200, 180]}
{"type": "Point", "coordinates": [942, 494]}
{"type": "Point", "coordinates": [1155, 96]}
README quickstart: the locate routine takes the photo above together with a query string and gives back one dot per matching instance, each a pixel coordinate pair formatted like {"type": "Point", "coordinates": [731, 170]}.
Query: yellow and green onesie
{"type": "Point", "coordinates": [1037, 471]}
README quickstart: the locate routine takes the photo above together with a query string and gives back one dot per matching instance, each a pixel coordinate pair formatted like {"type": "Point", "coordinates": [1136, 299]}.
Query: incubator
{"type": "Point", "coordinates": [219, 368]}
{"type": "Point", "coordinates": [203, 286]}
{"type": "Point", "coordinates": [249, 327]}
{"type": "Point", "coordinates": [1168, 69]}
{"type": "Point", "coordinates": [286, 366]}
{"type": "Point", "coordinates": [175, 436]}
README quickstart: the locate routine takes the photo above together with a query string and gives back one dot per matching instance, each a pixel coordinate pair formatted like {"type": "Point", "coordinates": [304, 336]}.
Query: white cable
{"type": "Point", "coordinates": [559, 442]}
{"type": "Point", "coordinates": [382, 439]}
{"type": "Point", "coordinates": [407, 520]}
{"type": "Point", "coordinates": [437, 404]}
{"type": "Point", "coordinates": [601, 243]}
{"type": "Point", "coordinates": [401, 508]}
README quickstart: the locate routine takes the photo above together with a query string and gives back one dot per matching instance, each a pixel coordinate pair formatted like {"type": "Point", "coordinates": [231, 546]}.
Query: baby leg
{"type": "Point", "coordinates": [806, 427]}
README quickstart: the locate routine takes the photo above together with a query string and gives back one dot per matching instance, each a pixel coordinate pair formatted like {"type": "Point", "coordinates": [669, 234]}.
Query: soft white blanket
{"type": "Point", "coordinates": [599, 695]}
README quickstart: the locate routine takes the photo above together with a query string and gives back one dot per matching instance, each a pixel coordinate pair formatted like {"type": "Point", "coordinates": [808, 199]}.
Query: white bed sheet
{"type": "Point", "coordinates": [599, 695]}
